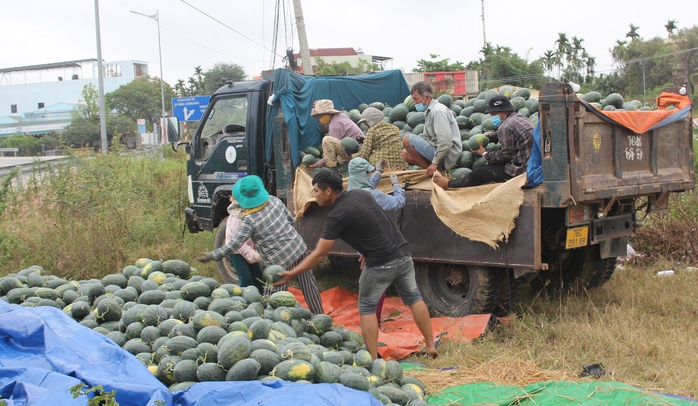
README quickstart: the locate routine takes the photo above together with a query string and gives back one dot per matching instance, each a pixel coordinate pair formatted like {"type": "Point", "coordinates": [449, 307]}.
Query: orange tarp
{"type": "Point", "coordinates": [641, 121]}
{"type": "Point", "coordinates": [398, 330]}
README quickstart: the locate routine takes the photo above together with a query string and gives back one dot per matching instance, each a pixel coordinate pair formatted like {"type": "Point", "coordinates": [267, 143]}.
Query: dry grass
{"type": "Point", "coordinates": [640, 327]}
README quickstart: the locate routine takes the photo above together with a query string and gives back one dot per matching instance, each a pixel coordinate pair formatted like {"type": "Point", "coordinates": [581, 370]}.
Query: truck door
{"type": "Point", "coordinates": [219, 153]}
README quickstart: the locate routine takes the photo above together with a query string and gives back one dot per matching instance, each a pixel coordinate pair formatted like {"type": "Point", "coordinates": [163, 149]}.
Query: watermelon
{"type": "Point", "coordinates": [210, 371]}
{"type": "Point", "coordinates": [354, 381]}
{"type": "Point", "coordinates": [271, 273]}
{"type": "Point", "coordinates": [445, 99]}
{"type": "Point", "coordinates": [313, 151]}
{"type": "Point", "coordinates": [456, 109]}
{"type": "Point", "coordinates": [142, 262]}
{"type": "Point", "coordinates": [460, 172]}
{"type": "Point", "coordinates": [193, 290]}
{"type": "Point", "coordinates": [476, 141]}
{"type": "Point", "coordinates": [185, 371]}
{"type": "Point", "coordinates": [399, 113]}
{"type": "Point", "coordinates": [361, 107]}
{"type": "Point", "coordinates": [489, 94]}
{"type": "Point", "coordinates": [480, 106]}
{"type": "Point", "coordinates": [409, 103]}
{"type": "Point", "coordinates": [378, 105]}
{"type": "Point", "coordinates": [479, 162]}
{"type": "Point", "coordinates": [258, 330]}
{"type": "Point", "coordinates": [393, 371]}
{"type": "Point", "coordinates": [591, 97]}
{"type": "Point", "coordinates": [396, 395]}
{"type": "Point", "coordinates": [355, 115]}
{"type": "Point", "coordinates": [524, 112]}
{"type": "Point", "coordinates": [177, 267]}
{"type": "Point", "coordinates": [233, 350]}
{"type": "Point", "coordinates": [309, 160]}
{"type": "Point", "coordinates": [152, 266]}
{"type": "Point", "coordinates": [208, 318]}
{"type": "Point", "coordinates": [108, 310]}
{"type": "Point", "coordinates": [518, 103]}
{"type": "Point", "coordinates": [267, 360]}
{"type": "Point", "coordinates": [523, 92]}
{"type": "Point", "coordinates": [350, 145]}
{"type": "Point", "coordinates": [294, 370]}
{"type": "Point", "coordinates": [282, 298]}
{"type": "Point", "coordinates": [506, 91]}
{"type": "Point", "coordinates": [615, 100]}
{"type": "Point", "coordinates": [327, 372]}
{"type": "Point", "coordinates": [244, 370]}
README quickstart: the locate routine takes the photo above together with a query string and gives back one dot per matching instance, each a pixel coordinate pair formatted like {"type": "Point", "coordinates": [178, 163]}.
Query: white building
{"type": "Point", "coordinates": [39, 98]}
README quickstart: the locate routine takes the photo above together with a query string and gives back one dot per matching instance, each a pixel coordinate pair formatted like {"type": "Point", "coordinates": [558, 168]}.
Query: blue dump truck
{"type": "Point", "coordinates": [598, 176]}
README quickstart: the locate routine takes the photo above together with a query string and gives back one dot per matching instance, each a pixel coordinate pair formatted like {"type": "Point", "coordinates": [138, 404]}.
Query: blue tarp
{"type": "Point", "coordinates": [44, 352]}
{"type": "Point", "coordinates": [534, 169]}
{"type": "Point", "coordinates": [295, 94]}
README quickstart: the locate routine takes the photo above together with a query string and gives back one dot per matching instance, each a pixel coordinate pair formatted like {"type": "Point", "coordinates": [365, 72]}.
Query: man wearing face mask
{"type": "Point", "coordinates": [515, 136]}
{"type": "Point", "coordinates": [343, 135]}
{"type": "Point", "coordinates": [440, 142]}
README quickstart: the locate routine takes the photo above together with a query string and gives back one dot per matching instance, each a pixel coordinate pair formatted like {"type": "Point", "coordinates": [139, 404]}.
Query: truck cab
{"type": "Point", "coordinates": [227, 145]}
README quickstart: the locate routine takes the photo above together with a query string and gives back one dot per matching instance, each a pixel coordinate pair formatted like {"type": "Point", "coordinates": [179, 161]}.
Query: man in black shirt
{"type": "Point", "coordinates": [356, 218]}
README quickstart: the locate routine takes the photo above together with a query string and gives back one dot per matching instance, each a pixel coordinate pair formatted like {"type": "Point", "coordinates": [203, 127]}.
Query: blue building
{"type": "Point", "coordinates": [39, 99]}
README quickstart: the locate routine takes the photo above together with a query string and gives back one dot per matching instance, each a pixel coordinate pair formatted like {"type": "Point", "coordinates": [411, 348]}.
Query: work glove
{"type": "Point", "coordinates": [380, 165]}
{"type": "Point", "coordinates": [205, 257]}
{"type": "Point", "coordinates": [393, 179]}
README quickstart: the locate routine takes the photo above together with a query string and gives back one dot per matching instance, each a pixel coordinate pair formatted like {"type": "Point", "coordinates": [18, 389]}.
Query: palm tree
{"type": "Point", "coordinates": [562, 50]}
{"type": "Point", "coordinates": [548, 60]}
{"type": "Point", "coordinates": [487, 50]}
{"type": "Point", "coordinates": [632, 34]}
{"type": "Point", "coordinates": [591, 67]}
{"type": "Point", "coordinates": [671, 26]}
{"type": "Point", "coordinates": [618, 52]}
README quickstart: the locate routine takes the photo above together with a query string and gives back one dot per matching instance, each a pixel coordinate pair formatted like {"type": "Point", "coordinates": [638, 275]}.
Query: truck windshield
{"type": "Point", "coordinates": [227, 116]}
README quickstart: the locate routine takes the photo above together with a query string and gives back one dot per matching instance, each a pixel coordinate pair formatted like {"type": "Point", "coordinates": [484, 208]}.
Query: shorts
{"type": "Point", "coordinates": [375, 280]}
{"type": "Point", "coordinates": [422, 146]}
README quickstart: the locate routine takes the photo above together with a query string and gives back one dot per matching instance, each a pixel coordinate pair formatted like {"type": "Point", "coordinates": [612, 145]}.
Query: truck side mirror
{"type": "Point", "coordinates": [172, 129]}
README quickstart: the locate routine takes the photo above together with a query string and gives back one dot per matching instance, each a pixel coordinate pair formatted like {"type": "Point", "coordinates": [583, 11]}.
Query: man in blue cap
{"type": "Point", "coordinates": [266, 220]}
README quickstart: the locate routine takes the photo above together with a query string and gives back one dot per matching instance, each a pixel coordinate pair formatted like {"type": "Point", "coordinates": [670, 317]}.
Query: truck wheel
{"type": "Point", "coordinates": [509, 292]}
{"type": "Point", "coordinates": [581, 268]}
{"type": "Point", "coordinates": [225, 267]}
{"type": "Point", "coordinates": [456, 290]}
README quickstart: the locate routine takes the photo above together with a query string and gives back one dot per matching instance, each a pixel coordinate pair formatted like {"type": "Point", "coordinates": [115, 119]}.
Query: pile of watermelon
{"type": "Point", "coordinates": [186, 328]}
{"type": "Point", "coordinates": [614, 102]}
{"type": "Point", "coordinates": [470, 116]}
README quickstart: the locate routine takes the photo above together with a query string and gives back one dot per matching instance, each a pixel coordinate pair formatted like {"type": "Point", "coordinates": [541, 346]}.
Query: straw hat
{"type": "Point", "coordinates": [323, 106]}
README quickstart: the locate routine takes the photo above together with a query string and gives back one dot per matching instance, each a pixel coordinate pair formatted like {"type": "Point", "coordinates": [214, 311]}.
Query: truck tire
{"type": "Point", "coordinates": [457, 290]}
{"type": "Point", "coordinates": [509, 292]}
{"type": "Point", "coordinates": [225, 267]}
{"type": "Point", "coordinates": [583, 268]}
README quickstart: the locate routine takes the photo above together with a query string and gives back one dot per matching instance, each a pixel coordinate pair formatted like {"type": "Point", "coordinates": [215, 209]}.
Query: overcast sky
{"type": "Point", "coordinates": [46, 31]}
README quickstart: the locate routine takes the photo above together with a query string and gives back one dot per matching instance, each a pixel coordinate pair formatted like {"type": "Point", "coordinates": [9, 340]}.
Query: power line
{"type": "Point", "coordinates": [194, 42]}
{"type": "Point", "coordinates": [228, 27]}
{"type": "Point", "coordinates": [661, 56]}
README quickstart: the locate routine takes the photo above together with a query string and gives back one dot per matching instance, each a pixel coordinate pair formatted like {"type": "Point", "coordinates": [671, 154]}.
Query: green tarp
{"type": "Point", "coordinates": [553, 393]}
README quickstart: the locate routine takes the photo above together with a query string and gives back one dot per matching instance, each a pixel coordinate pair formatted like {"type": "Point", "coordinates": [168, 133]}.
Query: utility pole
{"type": "Point", "coordinates": [102, 109]}
{"type": "Point", "coordinates": [303, 39]}
{"type": "Point", "coordinates": [484, 38]}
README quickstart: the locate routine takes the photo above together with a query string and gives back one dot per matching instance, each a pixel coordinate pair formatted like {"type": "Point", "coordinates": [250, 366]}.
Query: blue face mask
{"type": "Point", "coordinates": [420, 107]}
{"type": "Point", "coordinates": [496, 121]}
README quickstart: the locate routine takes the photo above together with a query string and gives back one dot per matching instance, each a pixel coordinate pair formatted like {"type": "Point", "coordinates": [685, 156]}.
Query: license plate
{"type": "Point", "coordinates": [577, 237]}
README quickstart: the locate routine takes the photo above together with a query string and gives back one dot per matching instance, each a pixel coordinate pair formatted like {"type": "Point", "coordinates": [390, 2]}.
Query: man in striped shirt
{"type": "Point", "coordinates": [266, 220]}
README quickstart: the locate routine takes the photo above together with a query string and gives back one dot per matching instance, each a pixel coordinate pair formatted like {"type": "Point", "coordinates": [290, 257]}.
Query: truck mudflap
{"type": "Point", "coordinates": [432, 241]}
{"type": "Point", "coordinates": [190, 219]}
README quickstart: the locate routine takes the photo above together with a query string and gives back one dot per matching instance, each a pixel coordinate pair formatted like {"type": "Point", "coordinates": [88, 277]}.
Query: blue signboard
{"type": "Point", "coordinates": [189, 108]}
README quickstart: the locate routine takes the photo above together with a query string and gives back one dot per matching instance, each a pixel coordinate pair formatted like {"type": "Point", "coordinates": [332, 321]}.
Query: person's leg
{"type": "Point", "coordinates": [330, 149]}
{"type": "Point", "coordinates": [243, 270]}
{"type": "Point", "coordinates": [406, 286]}
{"type": "Point", "coordinates": [421, 317]}
{"type": "Point", "coordinates": [369, 331]}
{"type": "Point", "coordinates": [490, 173]}
{"type": "Point", "coordinates": [372, 285]}
{"type": "Point", "coordinates": [311, 292]}
{"type": "Point", "coordinates": [418, 150]}
{"type": "Point", "coordinates": [256, 275]}
{"type": "Point", "coordinates": [379, 308]}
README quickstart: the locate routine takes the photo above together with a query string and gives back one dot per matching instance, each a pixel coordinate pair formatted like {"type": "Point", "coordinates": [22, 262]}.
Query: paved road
{"type": "Point", "coordinates": [11, 161]}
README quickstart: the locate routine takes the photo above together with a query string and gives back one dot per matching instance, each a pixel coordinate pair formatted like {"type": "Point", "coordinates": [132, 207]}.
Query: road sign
{"type": "Point", "coordinates": [141, 125]}
{"type": "Point", "coordinates": [189, 108]}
